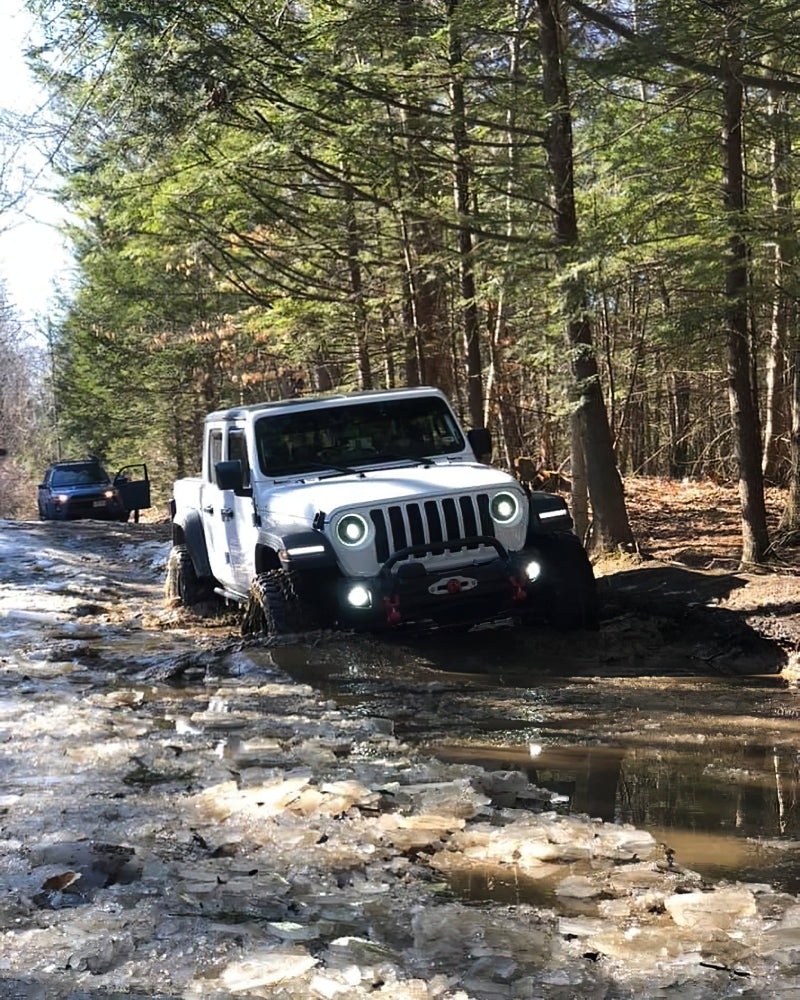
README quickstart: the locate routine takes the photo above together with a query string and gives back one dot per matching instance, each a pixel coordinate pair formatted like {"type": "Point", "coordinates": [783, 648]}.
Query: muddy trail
{"type": "Point", "coordinates": [504, 813]}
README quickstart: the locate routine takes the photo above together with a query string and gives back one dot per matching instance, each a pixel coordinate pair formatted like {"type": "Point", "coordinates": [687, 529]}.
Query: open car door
{"type": "Point", "coordinates": [133, 485]}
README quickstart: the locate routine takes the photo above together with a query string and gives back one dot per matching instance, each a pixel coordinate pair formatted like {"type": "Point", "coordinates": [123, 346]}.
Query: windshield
{"type": "Point", "coordinates": [79, 475]}
{"type": "Point", "coordinates": [355, 434]}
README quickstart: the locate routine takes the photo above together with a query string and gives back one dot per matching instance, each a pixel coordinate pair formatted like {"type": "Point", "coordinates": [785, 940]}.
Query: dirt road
{"type": "Point", "coordinates": [182, 815]}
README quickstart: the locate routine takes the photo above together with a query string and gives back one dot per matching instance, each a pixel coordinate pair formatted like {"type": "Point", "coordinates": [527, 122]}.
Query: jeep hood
{"type": "Point", "coordinates": [377, 486]}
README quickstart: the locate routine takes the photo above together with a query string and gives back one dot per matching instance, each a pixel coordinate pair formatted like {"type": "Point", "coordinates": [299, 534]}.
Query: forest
{"type": "Point", "coordinates": [575, 218]}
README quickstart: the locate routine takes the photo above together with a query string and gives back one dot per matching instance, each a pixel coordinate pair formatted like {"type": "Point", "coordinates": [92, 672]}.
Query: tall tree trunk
{"type": "Point", "coordinates": [496, 382]}
{"type": "Point", "coordinates": [776, 456]}
{"type": "Point", "coordinates": [741, 391]}
{"type": "Point", "coordinates": [461, 195]}
{"type": "Point", "coordinates": [357, 291]}
{"type": "Point", "coordinates": [579, 484]}
{"type": "Point", "coordinates": [610, 528]}
{"type": "Point", "coordinates": [428, 350]}
{"type": "Point", "coordinates": [790, 520]}
{"type": "Point", "coordinates": [679, 397]}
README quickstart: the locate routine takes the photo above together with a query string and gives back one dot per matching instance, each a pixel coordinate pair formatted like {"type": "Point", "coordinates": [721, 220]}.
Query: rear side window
{"type": "Point", "coordinates": [214, 453]}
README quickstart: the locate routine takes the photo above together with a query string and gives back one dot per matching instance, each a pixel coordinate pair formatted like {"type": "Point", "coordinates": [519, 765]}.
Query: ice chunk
{"type": "Point", "coordinates": [454, 932]}
{"type": "Point", "coordinates": [222, 801]}
{"type": "Point", "coordinates": [267, 967]}
{"type": "Point", "coordinates": [350, 950]}
{"type": "Point", "coordinates": [459, 798]}
{"type": "Point", "coordinates": [288, 930]}
{"type": "Point", "coordinates": [578, 887]}
{"type": "Point", "coordinates": [716, 910]}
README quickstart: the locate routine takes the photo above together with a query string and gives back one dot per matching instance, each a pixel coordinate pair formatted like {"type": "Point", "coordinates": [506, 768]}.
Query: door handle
{"type": "Point", "coordinates": [226, 513]}
{"type": "Point", "coordinates": [208, 509]}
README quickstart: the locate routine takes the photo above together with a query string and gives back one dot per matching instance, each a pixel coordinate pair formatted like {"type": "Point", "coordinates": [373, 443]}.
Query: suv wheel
{"type": "Point", "coordinates": [274, 607]}
{"type": "Point", "coordinates": [182, 585]}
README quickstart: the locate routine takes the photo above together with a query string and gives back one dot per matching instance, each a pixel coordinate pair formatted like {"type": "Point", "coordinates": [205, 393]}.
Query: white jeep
{"type": "Point", "coordinates": [369, 511]}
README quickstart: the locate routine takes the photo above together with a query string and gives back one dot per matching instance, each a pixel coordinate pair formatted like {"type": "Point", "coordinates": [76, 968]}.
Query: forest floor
{"type": "Point", "coordinates": [696, 526]}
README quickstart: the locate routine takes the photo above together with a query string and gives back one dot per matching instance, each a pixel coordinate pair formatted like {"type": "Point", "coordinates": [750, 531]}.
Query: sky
{"type": "Point", "coordinates": [33, 257]}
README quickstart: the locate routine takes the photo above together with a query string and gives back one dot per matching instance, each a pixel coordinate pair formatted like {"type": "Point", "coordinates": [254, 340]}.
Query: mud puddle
{"type": "Point", "coordinates": [708, 764]}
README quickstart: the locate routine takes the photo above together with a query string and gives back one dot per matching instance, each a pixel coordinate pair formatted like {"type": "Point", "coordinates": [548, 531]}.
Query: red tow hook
{"type": "Point", "coordinates": [391, 604]}
{"type": "Point", "coordinates": [519, 593]}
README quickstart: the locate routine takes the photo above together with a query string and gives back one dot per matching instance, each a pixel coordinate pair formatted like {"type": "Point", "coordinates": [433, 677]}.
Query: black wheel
{"type": "Point", "coordinates": [274, 606]}
{"type": "Point", "coordinates": [567, 589]}
{"type": "Point", "coordinates": [182, 585]}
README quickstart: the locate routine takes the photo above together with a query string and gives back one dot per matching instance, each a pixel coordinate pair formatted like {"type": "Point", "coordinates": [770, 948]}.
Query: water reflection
{"type": "Point", "coordinates": [728, 811]}
{"type": "Point", "coordinates": [708, 764]}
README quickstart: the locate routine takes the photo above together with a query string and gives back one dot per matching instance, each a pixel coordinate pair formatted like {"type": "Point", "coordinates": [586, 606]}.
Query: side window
{"type": "Point", "coordinates": [214, 453]}
{"type": "Point", "coordinates": [237, 449]}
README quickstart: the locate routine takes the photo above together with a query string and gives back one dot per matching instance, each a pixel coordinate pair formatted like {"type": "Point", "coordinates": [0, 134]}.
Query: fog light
{"type": "Point", "coordinates": [533, 570]}
{"type": "Point", "coordinates": [359, 596]}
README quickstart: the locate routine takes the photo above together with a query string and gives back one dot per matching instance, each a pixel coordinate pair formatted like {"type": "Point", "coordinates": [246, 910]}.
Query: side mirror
{"type": "Point", "coordinates": [230, 476]}
{"type": "Point", "coordinates": [480, 441]}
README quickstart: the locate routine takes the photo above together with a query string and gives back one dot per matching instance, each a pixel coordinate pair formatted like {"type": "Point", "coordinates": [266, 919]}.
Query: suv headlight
{"type": "Point", "coordinates": [352, 530]}
{"type": "Point", "coordinates": [505, 508]}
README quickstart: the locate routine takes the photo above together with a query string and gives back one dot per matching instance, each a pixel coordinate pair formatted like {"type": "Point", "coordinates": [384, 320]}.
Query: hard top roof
{"type": "Point", "coordinates": [336, 398]}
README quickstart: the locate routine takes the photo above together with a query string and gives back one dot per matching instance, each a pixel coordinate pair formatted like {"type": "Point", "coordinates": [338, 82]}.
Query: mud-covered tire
{"type": "Point", "coordinates": [274, 606]}
{"type": "Point", "coordinates": [182, 585]}
{"type": "Point", "coordinates": [568, 590]}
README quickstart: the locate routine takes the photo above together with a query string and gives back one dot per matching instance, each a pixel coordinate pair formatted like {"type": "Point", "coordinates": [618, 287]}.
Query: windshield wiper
{"type": "Point", "coordinates": [343, 470]}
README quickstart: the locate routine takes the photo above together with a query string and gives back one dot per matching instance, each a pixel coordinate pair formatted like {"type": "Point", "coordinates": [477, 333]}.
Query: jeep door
{"type": "Point", "coordinates": [215, 512]}
{"type": "Point", "coordinates": [228, 514]}
{"type": "Point", "coordinates": [241, 530]}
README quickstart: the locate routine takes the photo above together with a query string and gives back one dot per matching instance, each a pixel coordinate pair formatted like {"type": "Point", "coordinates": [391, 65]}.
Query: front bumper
{"type": "Point", "coordinates": [406, 592]}
{"type": "Point", "coordinates": [79, 508]}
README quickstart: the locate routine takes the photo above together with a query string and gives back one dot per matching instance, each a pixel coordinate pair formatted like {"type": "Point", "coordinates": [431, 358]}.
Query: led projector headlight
{"type": "Point", "coordinates": [352, 530]}
{"type": "Point", "coordinates": [504, 508]}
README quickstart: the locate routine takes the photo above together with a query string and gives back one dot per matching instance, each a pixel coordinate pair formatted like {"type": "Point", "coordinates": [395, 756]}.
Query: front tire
{"type": "Point", "coordinates": [274, 606]}
{"type": "Point", "coordinates": [568, 588]}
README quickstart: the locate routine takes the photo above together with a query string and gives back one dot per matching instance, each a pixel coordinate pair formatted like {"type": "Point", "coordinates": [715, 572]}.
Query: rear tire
{"type": "Point", "coordinates": [274, 606]}
{"type": "Point", "coordinates": [182, 585]}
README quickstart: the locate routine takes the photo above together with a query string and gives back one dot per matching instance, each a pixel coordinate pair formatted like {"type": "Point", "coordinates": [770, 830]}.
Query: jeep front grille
{"type": "Point", "coordinates": [398, 526]}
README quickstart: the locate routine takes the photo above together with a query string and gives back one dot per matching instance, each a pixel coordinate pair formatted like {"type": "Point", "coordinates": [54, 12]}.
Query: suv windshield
{"type": "Point", "coordinates": [87, 474]}
{"type": "Point", "coordinates": [355, 434]}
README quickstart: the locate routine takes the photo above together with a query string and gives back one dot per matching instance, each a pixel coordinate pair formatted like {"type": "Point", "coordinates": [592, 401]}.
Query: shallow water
{"type": "Point", "coordinates": [709, 764]}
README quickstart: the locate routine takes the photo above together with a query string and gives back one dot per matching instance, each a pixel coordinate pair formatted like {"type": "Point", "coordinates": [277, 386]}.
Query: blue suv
{"type": "Point", "coordinates": [73, 490]}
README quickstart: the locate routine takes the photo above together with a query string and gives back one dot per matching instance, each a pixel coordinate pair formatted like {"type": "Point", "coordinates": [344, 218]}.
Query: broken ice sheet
{"type": "Point", "coordinates": [530, 839]}
{"type": "Point", "coordinates": [452, 932]}
{"type": "Point", "coordinates": [267, 967]}
{"type": "Point", "coordinates": [719, 909]}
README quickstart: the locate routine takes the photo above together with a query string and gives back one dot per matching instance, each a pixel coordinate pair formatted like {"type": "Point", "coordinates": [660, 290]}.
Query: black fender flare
{"type": "Point", "coordinates": [548, 514]}
{"type": "Point", "coordinates": [194, 538]}
{"type": "Point", "coordinates": [306, 550]}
